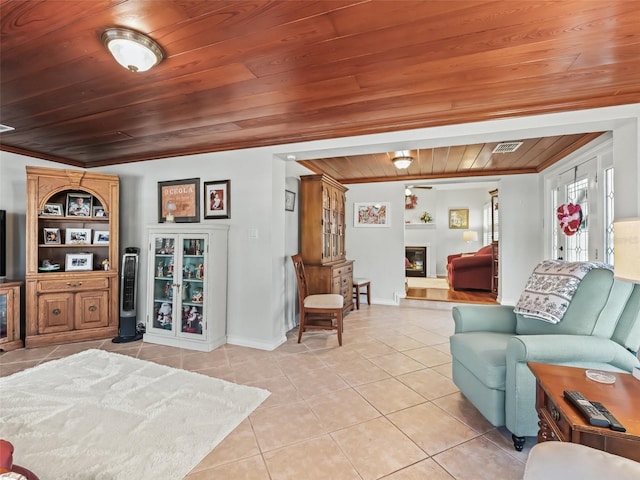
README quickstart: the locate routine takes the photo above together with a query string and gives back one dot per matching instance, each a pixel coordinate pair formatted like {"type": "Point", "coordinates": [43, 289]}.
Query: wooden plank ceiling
{"type": "Point", "coordinates": [241, 74]}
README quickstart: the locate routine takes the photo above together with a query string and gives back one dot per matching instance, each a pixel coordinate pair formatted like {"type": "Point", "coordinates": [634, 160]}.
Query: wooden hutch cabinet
{"type": "Point", "coordinates": [323, 207]}
{"type": "Point", "coordinates": [72, 256]}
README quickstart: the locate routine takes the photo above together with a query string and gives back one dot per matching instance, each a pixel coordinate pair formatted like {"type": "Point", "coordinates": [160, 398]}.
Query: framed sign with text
{"type": "Point", "coordinates": [180, 199]}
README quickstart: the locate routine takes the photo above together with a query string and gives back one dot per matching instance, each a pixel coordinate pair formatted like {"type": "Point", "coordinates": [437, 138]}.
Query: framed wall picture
{"type": "Point", "coordinates": [53, 210]}
{"type": "Point", "coordinates": [51, 236]}
{"type": "Point", "coordinates": [371, 214]}
{"type": "Point", "coordinates": [79, 205]}
{"type": "Point", "coordinates": [77, 236]}
{"type": "Point", "coordinates": [98, 212]}
{"type": "Point", "coordinates": [101, 237]}
{"type": "Point", "coordinates": [459, 218]}
{"type": "Point", "coordinates": [289, 200]}
{"type": "Point", "coordinates": [217, 199]}
{"type": "Point", "coordinates": [181, 196]}
{"type": "Point", "coordinates": [78, 261]}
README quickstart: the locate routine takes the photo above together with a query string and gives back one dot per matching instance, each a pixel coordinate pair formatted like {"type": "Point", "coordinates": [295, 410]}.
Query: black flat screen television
{"type": "Point", "coordinates": [3, 243]}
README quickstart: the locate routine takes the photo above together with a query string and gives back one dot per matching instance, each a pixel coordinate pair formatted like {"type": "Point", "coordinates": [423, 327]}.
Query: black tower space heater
{"type": "Point", "coordinates": [128, 298]}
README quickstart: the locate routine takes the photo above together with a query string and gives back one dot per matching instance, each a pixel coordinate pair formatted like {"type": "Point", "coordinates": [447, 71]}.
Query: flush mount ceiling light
{"type": "Point", "coordinates": [132, 50]}
{"type": "Point", "coordinates": [402, 160]}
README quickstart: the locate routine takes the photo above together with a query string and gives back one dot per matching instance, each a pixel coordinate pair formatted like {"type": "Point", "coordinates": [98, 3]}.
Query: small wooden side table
{"type": "Point", "coordinates": [560, 420]}
{"type": "Point", "coordinates": [10, 336]}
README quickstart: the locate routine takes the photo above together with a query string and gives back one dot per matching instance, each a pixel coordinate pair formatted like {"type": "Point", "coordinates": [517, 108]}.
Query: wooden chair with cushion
{"type": "Point", "coordinates": [317, 311]}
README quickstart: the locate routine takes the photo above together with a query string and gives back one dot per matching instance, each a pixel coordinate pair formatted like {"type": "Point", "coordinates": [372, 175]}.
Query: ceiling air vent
{"type": "Point", "coordinates": [507, 147]}
{"type": "Point", "coordinates": [5, 128]}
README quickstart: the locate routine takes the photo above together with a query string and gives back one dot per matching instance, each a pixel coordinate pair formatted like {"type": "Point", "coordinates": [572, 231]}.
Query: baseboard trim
{"type": "Point", "coordinates": [254, 343]}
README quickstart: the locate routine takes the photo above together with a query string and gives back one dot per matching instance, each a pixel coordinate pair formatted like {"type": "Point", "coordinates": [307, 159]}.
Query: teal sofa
{"type": "Point", "coordinates": [492, 345]}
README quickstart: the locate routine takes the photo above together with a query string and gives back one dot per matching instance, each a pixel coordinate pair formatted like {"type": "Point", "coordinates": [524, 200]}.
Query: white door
{"type": "Point", "coordinates": [578, 186]}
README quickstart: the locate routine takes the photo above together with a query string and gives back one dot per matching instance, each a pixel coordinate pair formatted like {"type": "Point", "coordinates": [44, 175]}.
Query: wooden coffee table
{"type": "Point", "coordinates": [560, 420]}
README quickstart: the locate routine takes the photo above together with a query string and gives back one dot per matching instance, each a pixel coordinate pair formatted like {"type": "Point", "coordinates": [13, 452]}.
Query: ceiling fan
{"type": "Point", "coordinates": [407, 188]}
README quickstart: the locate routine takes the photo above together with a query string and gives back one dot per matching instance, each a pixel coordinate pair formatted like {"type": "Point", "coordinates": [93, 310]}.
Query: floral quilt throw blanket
{"type": "Point", "coordinates": [551, 287]}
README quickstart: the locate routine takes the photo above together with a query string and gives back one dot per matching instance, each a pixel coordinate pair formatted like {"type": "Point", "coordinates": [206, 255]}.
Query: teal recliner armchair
{"type": "Point", "coordinates": [492, 345]}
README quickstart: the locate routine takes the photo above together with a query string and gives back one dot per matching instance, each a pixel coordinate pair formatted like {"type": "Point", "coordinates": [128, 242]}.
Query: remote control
{"type": "Point", "coordinates": [588, 411]}
{"type": "Point", "coordinates": [615, 424]}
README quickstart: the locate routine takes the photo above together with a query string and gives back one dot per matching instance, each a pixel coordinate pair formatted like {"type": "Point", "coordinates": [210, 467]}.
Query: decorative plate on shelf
{"type": "Point", "coordinates": [50, 268]}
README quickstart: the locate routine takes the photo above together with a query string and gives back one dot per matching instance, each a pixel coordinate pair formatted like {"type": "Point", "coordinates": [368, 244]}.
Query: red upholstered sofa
{"type": "Point", "coordinates": [472, 271]}
{"type": "Point", "coordinates": [6, 462]}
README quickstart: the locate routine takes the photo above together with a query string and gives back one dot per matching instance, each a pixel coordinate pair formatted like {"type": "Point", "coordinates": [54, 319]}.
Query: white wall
{"type": "Point", "coordinates": [258, 303]}
{"type": "Point", "coordinates": [440, 239]}
{"type": "Point", "coordinates": [292, 243]}
{"type": "Point", "coordinates": [378, 252]}
{"type": "Point", "coordinates": [449, 240]}
{"type": "Point", "coordinates": [521, 241]}
{"type": "Point", "coordinates": [255, 309]}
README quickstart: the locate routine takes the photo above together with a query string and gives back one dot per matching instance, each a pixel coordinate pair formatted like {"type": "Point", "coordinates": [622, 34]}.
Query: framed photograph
{"type": "Point", "coordinates": [52, 236]}
{"type": "Point", "coordinates": [98, 212]}
{"type": "Point", "coordinates": [78, 261]}
{"type": "Point", "coordinates": [459, 218]}
{"type": "Point", "coordinates": [371, 214]}
{"type": "Point", "coordinates": [101, 237]}
{"type": "Point", "coordinates": [289, 200]}
{"type": "Point", "coordinates": [53, 210]}
{"type": "Point", "coordinates": [79, 205]}
{"type": "Point", "coordinates": [217, 199]}
{"type": "Point", "coordinates": [77, 236]}
{"type": "Point", "coordinates": [182, 199]}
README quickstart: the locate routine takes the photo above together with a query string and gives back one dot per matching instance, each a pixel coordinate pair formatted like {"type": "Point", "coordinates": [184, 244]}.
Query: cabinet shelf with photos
{"type": "Point", "coordinates": [63, 232]}
{"type": "Point", "coordinates": [186, 300]}
{"type": "Point", "coordinates": [72, 256]}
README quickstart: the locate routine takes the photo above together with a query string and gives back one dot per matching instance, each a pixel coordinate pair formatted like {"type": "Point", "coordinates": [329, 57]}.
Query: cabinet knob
{"type": "Point", "coordinates": [555, 414]}
{"type": "Point", "coordinates": [92, 308]}
{"type": "Point", "coordinates": [56, 311]}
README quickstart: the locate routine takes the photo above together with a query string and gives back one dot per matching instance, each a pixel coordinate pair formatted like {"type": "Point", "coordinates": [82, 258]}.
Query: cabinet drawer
{"type": "Point", "coordinates": [560, 424]}
{"type": "Point", "coordinates": [73, 284]}
{"type": "Point", "coordinates": [343, 270]}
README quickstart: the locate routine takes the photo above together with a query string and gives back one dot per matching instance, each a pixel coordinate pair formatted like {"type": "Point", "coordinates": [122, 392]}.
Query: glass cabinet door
{"type": "Point", "coordinates": [164, 286]}
{"type": "Point", "coordinates": [3, 316]}
{"type": "Point", "coordinates": [192, 286]}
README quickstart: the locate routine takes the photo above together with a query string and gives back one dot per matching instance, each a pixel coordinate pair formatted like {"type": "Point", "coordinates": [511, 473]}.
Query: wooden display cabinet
{"type": "Point", "coordinates": [322, 219]}
{"type": "Point", "coordinates": [10, 315]}
{"type": "Point", "coordinates": [72, 256]}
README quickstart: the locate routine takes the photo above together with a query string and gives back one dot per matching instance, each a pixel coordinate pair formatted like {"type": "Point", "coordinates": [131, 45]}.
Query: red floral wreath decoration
{"type": "Point", "coordinates": [570, 217]}
{"type": "Point", "coordinates": [410, 201]}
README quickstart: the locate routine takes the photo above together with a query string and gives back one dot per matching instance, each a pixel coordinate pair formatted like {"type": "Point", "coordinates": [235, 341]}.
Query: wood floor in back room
{"type": "Point", "coordinates": [421, 289]}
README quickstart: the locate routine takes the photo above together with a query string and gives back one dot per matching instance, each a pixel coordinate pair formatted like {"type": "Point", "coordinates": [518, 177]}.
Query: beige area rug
{"type": "Point", "coordinates": [420, 282]}
{"type": "Point", "coordinates": [98, 415]}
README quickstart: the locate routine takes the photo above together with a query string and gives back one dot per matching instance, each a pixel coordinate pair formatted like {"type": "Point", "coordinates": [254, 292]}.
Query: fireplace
{"type": "Point", "coordinates": [415, 261]}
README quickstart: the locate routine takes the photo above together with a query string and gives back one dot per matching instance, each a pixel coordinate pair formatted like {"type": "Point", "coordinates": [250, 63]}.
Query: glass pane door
{"type": "Point", "coordinates": [3, 316]}
{"type": "Point", "coordinates": [577, 187]}
{"type": "Point", "coordinates": [192, 285]}
{"type": "Point", "coordinates": [164, 261]}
